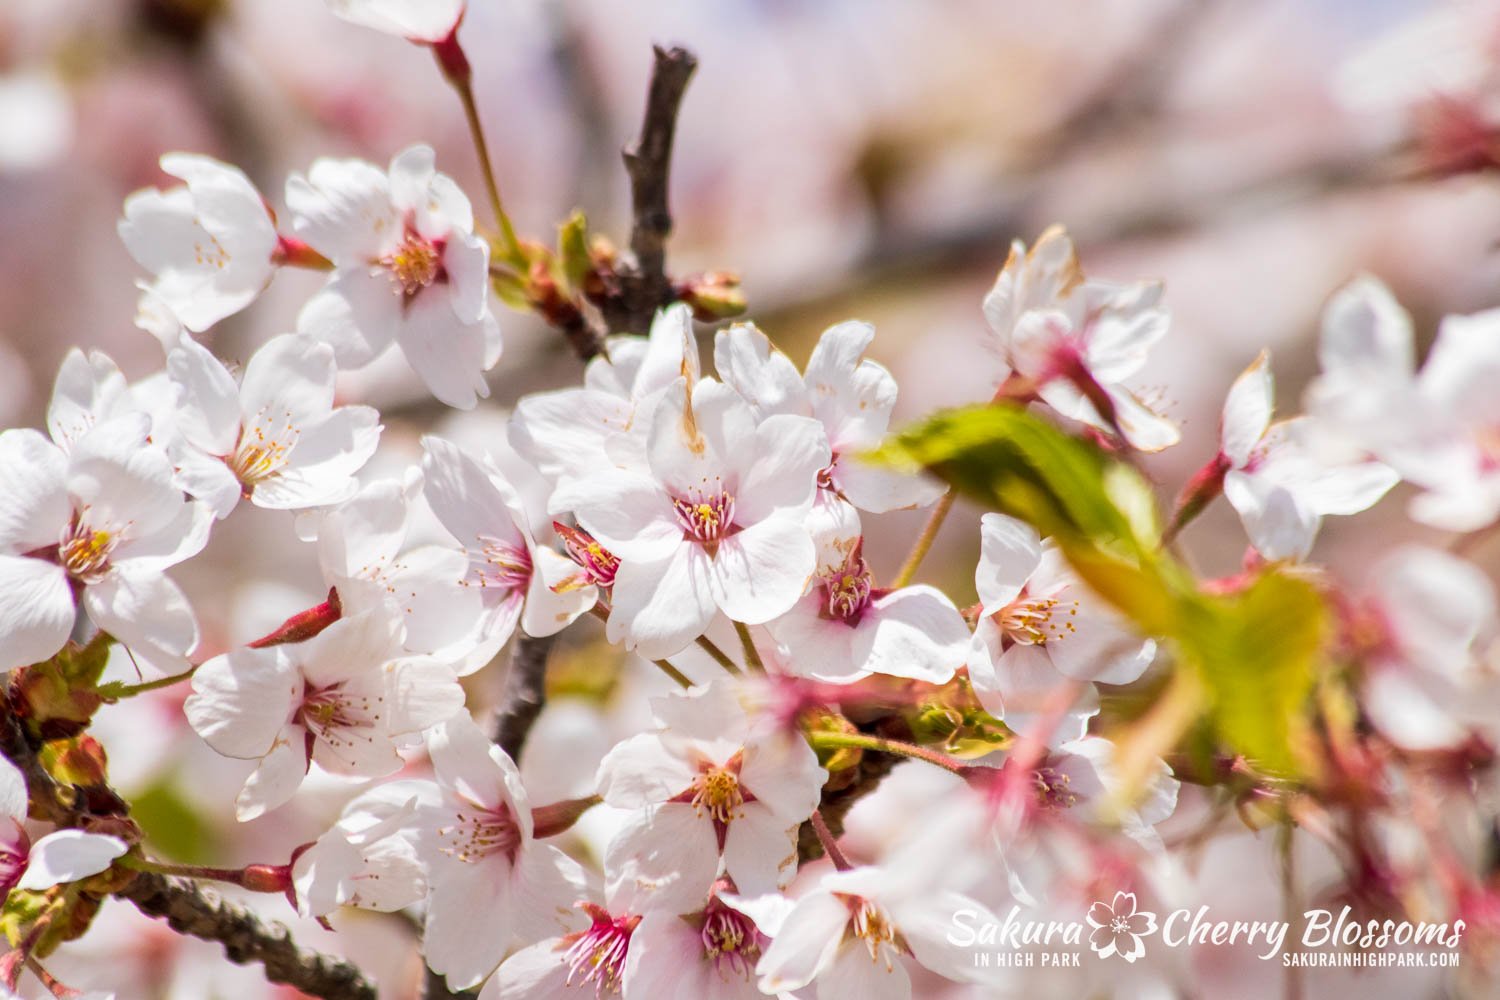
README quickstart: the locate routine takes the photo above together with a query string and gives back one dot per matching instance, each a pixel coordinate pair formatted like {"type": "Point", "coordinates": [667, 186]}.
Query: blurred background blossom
{"type": "Point", "coordinates": [849, 158]}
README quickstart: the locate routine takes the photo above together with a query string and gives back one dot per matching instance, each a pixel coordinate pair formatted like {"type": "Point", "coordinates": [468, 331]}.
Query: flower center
{"type": "Point", "coordinates": [415, 263]}
{"type": "Point", "coordinates": [706, 519]}
{"type": "Point", "coordinates": [262, 450]}
{"type": "Point", "coordinates": [599, 564]}
{"type": "Point", "coordinates": [847, 592]}
{"type": "Point", "coordinates": [476, 835]}
{"type": "Point", "coordinates": [730, 940]}
{"type": "Point", "coordinates": [597, 955]}
{"type": "Point", "coordinates": [872, 925]}
{"type": "Point", "coordinates": [502, 564]}
{"type": "Point", "coordinates": [336, 717]}
{"type": "Point", "coordinates": [1052, 791]}
{"type": "Point", "coordinates": [1120, 925]}
{"type": "Point", "coordinates": [85, 551]}
{"type": "Point", "coordinates": [1036, 621]}
{"type": "Point", "coordinates": [717, 789]}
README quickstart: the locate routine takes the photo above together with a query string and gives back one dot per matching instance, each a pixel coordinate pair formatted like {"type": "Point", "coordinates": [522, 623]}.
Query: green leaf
{"type": "Point", "coordinates": [1257, 653]}
{"type": "Point", "coordinates": [573, 251]}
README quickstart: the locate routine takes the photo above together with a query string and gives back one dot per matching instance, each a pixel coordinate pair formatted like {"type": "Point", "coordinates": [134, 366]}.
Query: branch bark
{"type": "Point", "coordinates": [191, 909]}
{"type": "Point", "coordinates": [525, 693]}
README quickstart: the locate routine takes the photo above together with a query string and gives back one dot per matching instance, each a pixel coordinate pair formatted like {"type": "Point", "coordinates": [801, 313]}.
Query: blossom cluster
{"type": "Point", "coordinates": [716, 524]}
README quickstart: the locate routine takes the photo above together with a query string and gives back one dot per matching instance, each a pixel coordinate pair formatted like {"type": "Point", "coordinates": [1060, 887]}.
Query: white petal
{"type": "Point", "coordinates": [629, 514]}
{"type": "Point", "coordinates": [343, 208]}
{"type": "Point", "coordinates": [241, 701]}
{"type": "Point", "coordinates": [667, 854]}
{"type": "Point", "coordinates": [805, 945]}
{"type": "Point", "coordinates": [1279, 527]}
{"type": "Point", "coordinates": [760, 573]}
{"type": "Point", "coordinates": [821, 648]}
{"type": "Point", "coordinates": [789, 452]}
{"type": "Point", "coordinates": [277, 778]}
{"type": "Point", "coordinates": [760, 849]}
{"type": "Point", "coordinates": [445, 351]}
{"type": "Point", "coordinates": [1435, 603]}
{"type": "Point", "coordinates": [913, 632]}
{"type": "Point", "coordinates": [13, 799]}
{"type": "Point", "coordinates": [878, 490]}
{"type": "Point", "coordinates": [67, 856]}
{"type": "Point", "coordinates": [145, 611]}
{"type": "Point", "coordinates": [36, 610]}
{"type": "Point", "coordinates": [660, 607]}
{"type": "Point", "coordinates": [764, 377]}
{"type": "Point", "coordinates": [86, 387]}
{"type": "Point", "coordinates": [354, 314]}
{"type": "Point", "coordinates": [1009, 553]}
{"type": "Point", "coordinates": [642, 771]}
{"type": "Point", "coordinates": [1247, 411]}
{"type": "Point", "coordinates": [34, 506]}
{"type": "Point", "coordinates": [468, 765]}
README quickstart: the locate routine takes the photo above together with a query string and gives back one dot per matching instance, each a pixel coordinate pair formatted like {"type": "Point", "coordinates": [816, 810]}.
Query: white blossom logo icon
{"type": "Point", "coordinates": [1119, 927]}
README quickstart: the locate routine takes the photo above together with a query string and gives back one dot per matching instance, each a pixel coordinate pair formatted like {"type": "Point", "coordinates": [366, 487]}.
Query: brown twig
{"type": "Point", "coordinates": [643, 283]}
{"type": "Point", "coordinates": [191, 909]}
{"type": "Point", "coordinates": [525, 693]}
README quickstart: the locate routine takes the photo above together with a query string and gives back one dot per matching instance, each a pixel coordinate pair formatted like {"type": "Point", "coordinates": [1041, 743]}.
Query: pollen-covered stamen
{"type": "Point", "coordinates": [872, 925]}
{"type": "Point", "coordinates": [846, 592]}
{"type": "Point", "coordinates": [731, 940]}
{"type": "Point", "coordinates": [501, 564]}
{"type": "Point", "coordinates": [84, 551]}
{"type": "Point", "coordinates": [478, 833]}
{"type": "Point", "coordinates": [1052, 789]}
{"type": "Point", "coordinates": [339, 718]}
{"type": "Point", "coordinates": [599, 564]}
{"type": "Point", "coordinates": [1036, 621]}
{"type": "Point", "coordinates": [263, 448]}
{"type": "Point", "coordinates": [717, 791]}
{"type": "Point", "coordinates": [597, 955]}
{"type": "Point", "coordinates": [706, 518]}
{"type": "Point", "coordinates": [415, 263]}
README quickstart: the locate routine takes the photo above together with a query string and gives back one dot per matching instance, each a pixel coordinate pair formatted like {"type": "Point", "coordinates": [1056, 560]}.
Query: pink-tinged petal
{"type": "Point", "coordinates": [548, 611]}
{"type": "Point", "coordinates": [667, 958]}
{"type": "Point", "coordinates": [1028, 682]}
{"type": "Point", "coordinates": [700, 449]}
{"type": "Point", "coordinates": [1435, 604]}
{"type": "Point", "coordinates": [821, 648]}
{"type": "Point", "coordinates": [1143, 427]}
{"type": "Point", "coordinates": [343, 208]}
{"type": "Point", "coordinates": [539, 972]}
{"type": "Point", "coordinates": [67, 856]}
{"type": "Point", "coordinates": [629, 514]}
{"type": "Point", "coordinates": [13, 800]}
{"type": "Point", "coordinates": [354, 314]}
{"type": "Point", "coordinates": [564, 431]}
{"type": "Point", "coordinates": [1415, 711]}
{"type": "Point", "coordinates": [1009, 553]}
{"type": "Point", "coordinates": [242, 700]}
{"type": "Point", "coordinates": [643, 771]}
{"type": "Point", "coordinates": [34, 506]}
{"type": "Point", "coordinates": [471, 500]}
{"type": "Point", "coordinates": [711, 714]}
{"type": "Point", "coordinates": [365, 532]}
{"type": "Point", "coordinates": [466, 258]}
{"type": "Point", "coordinates": [660, 607]}
{"type": "Point", "coordinates": [1279, 527]}
{"type": "Point", "coordinates": [208, 414]}
{"type": "Point", "coordinates": [760, 573]}
{"type": "Point", "coordinates": [760, 849]}
{"type": "Point", "coordinates": [475, 770]}
{"type": "Point", "coordinates": [36, 610]}
{"type": "Point", "coordinates": [229, 207]}
{"type": "Point", "coordinates": [413, 168]}
{"type": "Point", "coordinates": [1247, 411]}
{"type": "Point", "coordinates": [764, 377]}
{"type": "Point", "coordinates": [148, 613]}
{"type": "Point", "coordinates": [1124, 322]}
{"type": "Point", "coordinates": [320, 469]}
{"type": "Point", "coordinates": [86, 386]}
{"type": "Point", "coordinates": [544, 886]}
{"type": "Point", "coordinates": [913, 632]}
{"type": "Point", "coordinates": [1366, 334]}
{"type": "Point", "coordinates": [806, 944]}
{"type": "Point", "coordinates": [276, 780]}
{"type": "Point", "coordinates": [423, 693]}
{"type": "Point", "coordinates": [852, 398]}
{"type": "Point", "coordinates": [437, 609]}
{"type": "Point", "coordinates": [289, 378]}
{"type": "Point", "coordinates": [445, 351]}
{"type": "Point", "coordinates": [322, 873]}
{"type": "Point", "coordinates": [471, 918]}
{"type": "Point", "coordinates": [926, 922]}
{"type": "Point", "coordinates": [855, 976]}
{"type": "Point", "coordinates": [666, 854]}
{"type": "Point", "coordinates": [879, 490]}
{"type": "Point", "coordinates": [789, 452]}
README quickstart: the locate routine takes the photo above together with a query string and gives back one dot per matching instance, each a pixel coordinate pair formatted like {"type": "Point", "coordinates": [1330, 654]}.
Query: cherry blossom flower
{"type": "Point", "coordinates": [59, 857]}
{"type": "Point", "coordinates": [600, 960]}
{"type": "Point", "coordinates": [340, 699]}
{"type": "Point", "coordinates": [363, 554]}
{"type": "Point", "coordinates": [1076, 340]}
{"type": "Point", "coordinates": [1119, 927]}
{"type": "Point", "coordinates": [852, 932]}
{"type": "Point", "coordinates": [1282, 478]}
{"type": "Point", "coordinates": [492, 885]}
{"type": "Point", "coordinates": [851, 396]}
{"type": "Point", "coordinates": [572, 434]}
{"type": "Point", "coordinates": [408, 268]}
{"type": "Point", "coordinates": [428, 21]}
{"type": "Point", "coordinates": [845, 629]}
{"type": "Point", "coordinates": [708, 954]}
{"type": "Point", "coordinates": [275, 437]}
{"type": "Point", "coordinates": [1424, 686]}
{"type": "Point", "coordinates": [709, 785]}
{"type": "Point", "coordinates": [1038, 628]}
{"type": "Point", "coordinates": [210, 243]}
{"type": "Point", "coordinates": [365, 860]}
{"type": "Point", "coordinates": [713, 522]}
{"type": "Point", "coordinates": [512, 572]}
{"type": "Point", "coordinates": [89, 389]}
{"type": "Point", "coordinates": [100, 522]}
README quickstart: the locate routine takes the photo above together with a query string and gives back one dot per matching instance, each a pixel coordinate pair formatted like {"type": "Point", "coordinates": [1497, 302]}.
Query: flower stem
{"type": "Point", "coordinates": [672, 672]}
{"type": "Point", "coordinates": [242, 877]}
{"type": "Point", "coordinates": [456, 71]}
{"type": "Point", "coordinates": [752, 656]}
{"type": "Point", "coordinates": [864, 741]}
{"type": "Point", "coordinates": [924, 540]}
{"type": "Point", "coordinates": [117, 691]}
{"type": "Point", "coordinates": [719, 656]}
{"type": "Point", "coordinates": [830, 845]}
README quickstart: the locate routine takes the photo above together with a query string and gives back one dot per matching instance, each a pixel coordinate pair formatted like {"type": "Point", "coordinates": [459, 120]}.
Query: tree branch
{"type": "Point", "coordinates": [643, 283]}
{"type": "Point", "coordinates": [525, 693]}
{"type": "Point", "coordinates": [202, 913]}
